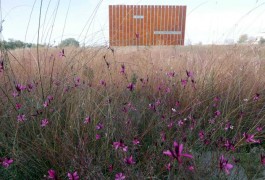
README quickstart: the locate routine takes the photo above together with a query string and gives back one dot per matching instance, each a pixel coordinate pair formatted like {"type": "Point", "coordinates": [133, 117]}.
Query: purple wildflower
{"type": "Point", "coordinates": [137, 35]}
{"type": "Point", "coordinates": [119, 176]}
{"type": "Point", "coordinates": [217, 113]}
{"type": "Point", "coordinates": [77, 81]}
{"type": "Point", "coordinates": [131, 106]}
{"type": "Point", "coordinates": [152, 107]}
{"type": "Point", "coordinates": [180, 123]}
{"type": "Point", "coordinates": [216, 101]}
{"type": "Point", "coordinates": [168, 166]}
{"type": "Point", "coordinates": [136, 141]}
{"type": "Point", "coordinates": [262, 159]}
{"type": "Point", "coordinates": [73, 176]}
{"type": "Point", "coordinates": [61, 53]}
{"type": "Point", "coordinates": [250, 138]}
{"type": "Point", "coordinates": [102, 82]}
{"type": "Point", "coordinates": [191, 168]}
{"type": "Point", "coordinates": [259, 128]}
{"type": "Point", "coordinates": [1, 65]}
{"type": "Point", "coordinates": [171, 74]}
{"type": "Point", "coordinates": [15, 94]}
{"type": "Point", "coordinates": [201, 135]}
{"type": "Point", "coordinates": [184, 82]}
{"type": "Point", "coordinates": [6, 162]}
{"type": "Point", "coordinates": [44, 122]}
{"type": "Point", "coordinates": [87, 120]}
{"type": "Point", "coordinates": [122, 69]}
{"type": "Point", "coordinates": [21, 117]}
{"type": "Point", "coordinates": [18, 106]}
{"type": "Point", "coordinates": [20, 87]}
{"type": "Point", "coordinates": [131, 86]}
{"type": "Point", "coordinates": [52, 174]}
{"type": "Point", "coordinates": [256, 97]}
{"type": "Point", "coordinates": [99, 126]}
{"type": "Point", "coordinates": [163, 136]}
{"type": "Point", "coordinates": [176, 152]}
{"type": "Point", "coordinates": [224, 165]}
{"type": "Point", "coordinates": [229, 145]}
{"type": "Point", "coordinates": [46, 104]}
{"type": "Point", "coordinates": [30, 87]}
{"type": "Point", "coordinates": [129, 160]}
{"type": "Point", "coordinates": [170, 124]}
{"type": "Point", "coordinates": [110, 168]}
{"type": "Point", "coordinates": [167, 90]}
{"type": "Point", "coordinates": [189, 74]}
{"type": "Point", "coordinates": [98, 136]}
{"type": "Point", "coordinates": [177, 104]}
{"type": "Point", "coordinates": [120, 144]}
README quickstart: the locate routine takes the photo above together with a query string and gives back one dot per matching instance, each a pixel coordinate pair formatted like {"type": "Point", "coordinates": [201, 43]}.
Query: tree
{"type": "Point", "coordinates": [261, 41]}
{"type": "Point", "coordinates": [243, 38]}
{"type": "Point", "coordinates": [69, 42]}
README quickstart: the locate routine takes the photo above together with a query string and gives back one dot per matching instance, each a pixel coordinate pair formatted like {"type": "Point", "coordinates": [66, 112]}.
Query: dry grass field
{"type": "Point", "coordinates": [192, 112]}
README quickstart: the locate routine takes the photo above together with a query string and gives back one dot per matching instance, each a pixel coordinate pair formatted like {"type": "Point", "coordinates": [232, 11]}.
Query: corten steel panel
{"type": "Point", "coordinates": [146, 25]}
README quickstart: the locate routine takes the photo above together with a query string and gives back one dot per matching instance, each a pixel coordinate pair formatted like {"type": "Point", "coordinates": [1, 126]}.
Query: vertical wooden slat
{"type": "Point", "coordinates": [123, 30]}
{"type": "Point", "coordinates": [131, 25]}
{"type": "Point", "coordinates": [115, 25]}
{"type": "Point", "coordinates": [137, 25]}
{"type": "Point", "coordinates": [179, 24]}
{"type": "Point", "coordinates": [162, 24]}
{"type": "Point", "coordinates": [174, 40]}
{"type": "Point", "coordinates": [144, 24]}
{"type": "Point", "coordinates": [140, 26]}
{"type": "Point", "coordinates": [127, 26]}
{"type": "Point", "coordinates": [144, 27]}
{"type": "Point", "coordinates": [170, 23]}
{"type": "Point", "coordinates": [157, 24]}
{"type": "Point", "coordinates": [124, 20]}
{"type": "Point", "coordinates": [159, 17]}
{"type": "Point", "coordinates": [173, 37]}
{"type": "Point", "coordinates": [110, 25]}
{"type": "Point", "coordinates": [153, 24]}
{"type": "Point", "coordinates": [166, 24]}
{"type": "Point", "coordinates": [134, 27]}
{"type": "Point", "coordinates": [182, 10]}
{"type": "Point", "coordinates": [183, 24]}
{"type": "Point", "coordinates": [148, 25]}
{"type": "Point", "coordinates": [120, 23]}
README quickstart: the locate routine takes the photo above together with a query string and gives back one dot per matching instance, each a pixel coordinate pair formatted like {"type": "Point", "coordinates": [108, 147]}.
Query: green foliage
{"type": "Point", "coordinates": [243, 38]}
{"type": "Point", "coordinates": [262, 41]}
{"type": "Point", "coordinates": [15, 44]}
{"type": "Point", "coordinates": [69, 42]}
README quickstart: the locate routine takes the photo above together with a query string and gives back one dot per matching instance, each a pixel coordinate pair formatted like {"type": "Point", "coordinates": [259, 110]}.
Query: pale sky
{"type": "Point", "coordinates": [208, 21]}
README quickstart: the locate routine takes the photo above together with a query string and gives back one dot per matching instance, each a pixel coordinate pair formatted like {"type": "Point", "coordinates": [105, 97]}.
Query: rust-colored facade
{"type": "Point", "coordinates": [145, 25]}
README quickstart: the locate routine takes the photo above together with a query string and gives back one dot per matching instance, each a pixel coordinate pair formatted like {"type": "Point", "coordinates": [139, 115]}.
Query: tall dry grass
{"type": "Point", "coordinates": [88, 82]}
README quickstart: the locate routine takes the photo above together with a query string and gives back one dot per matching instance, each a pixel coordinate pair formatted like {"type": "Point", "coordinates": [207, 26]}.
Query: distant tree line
{"type": "Point", "coordinates": [244, 38]}
{"type": "Point", "coordinates": [15, 44]}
